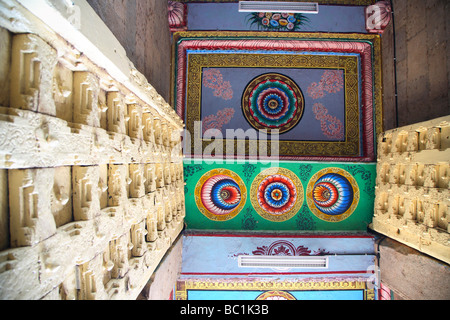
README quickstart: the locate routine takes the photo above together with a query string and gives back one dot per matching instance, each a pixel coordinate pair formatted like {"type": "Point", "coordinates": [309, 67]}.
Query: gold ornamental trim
{"type": "Point", "coordinates": [184, 286]}
{"type": "Point", "coordinates": [350, 147]}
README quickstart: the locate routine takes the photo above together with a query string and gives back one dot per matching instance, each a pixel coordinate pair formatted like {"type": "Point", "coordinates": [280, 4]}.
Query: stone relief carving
{"type": "Point", "coordinates": [93, 170]}
{"type": "Point", "coordinates": [412, 187]}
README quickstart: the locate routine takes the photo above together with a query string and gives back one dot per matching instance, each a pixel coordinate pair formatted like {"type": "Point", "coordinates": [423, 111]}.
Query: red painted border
{"type": "Point", "coordinates": [362, 48]}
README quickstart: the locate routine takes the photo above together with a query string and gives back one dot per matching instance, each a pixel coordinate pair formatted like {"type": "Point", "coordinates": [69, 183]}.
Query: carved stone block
{"type": "Point", "coordinates": [167, 173]}
{"type": "Point", "coordinates": [433, 138]}
{"type": "Point", "coordinates": [150, 177]}
{"type": "Point", "coordinates": [135, 125]}
{"type": "Point", "coordinates": [411, 174]}
{"type": "Point", "coordinates": [431, 210]}
{"type": "Point", "coordinates": [420, 177]}
{"type": "Point", "coordinates": [61, 200]}
{"type": "Point", "coordinates": [4, 210]}
{"type": "Point", "coordinates": [159, 171]}
{"type": "Point", "coordinates": [5, 66]}
{"type": "Point", "coordinates": [413, 141]}
{"type": "Point", "coordinates": [103, 109]}
{"type": "Point", "coordinates": [103, 185]}
{"type": "Point", "coordinates": [138, 236]}
{"type": "Point", "coordinates": [157, 125]}
{"type": "Point", "coordinates": [160, 210]}
{"type": "Point", "coordinates": [116, 112]}
{"type": "Point", "coordinates": [137, 185]}
{"type": "Point", "coordinates": [86, 197]}
{"type": "Point", "coordinates": [86, 99]}
{"type": "Point", "coordinates": [393, 203]}
{"type": "Point", "coordinates": [118, 250]}
{"type": "Point", "coordinates": [422, 139]}
{"type": "Point", "coordinates": [394, 174]}
{"type": "Point", "coordinates": [90, 279]}
{"type": "Point", "coordinates": [400, 141]}
{"type": "Point", "coordinates": [445, 135]}
{"type": "Point", "coordinates": [383, 171]}
{"type": "Point", "coordinates": [385, 144]}
{"type": "Point", "coordinates": [410, 209]}
{"type": "Point", "coordinates": [431, 176]}
{"type": "Point", "coordinates": [31, 219]}
{"type": "Point", "coordinates": [63, 92]}
{"type": "Point", "coordinates": [32, 66]}
{"type": "Point", "coordinates": [443, 216]}
{"type": "Point", "coordinates": [117, 184]}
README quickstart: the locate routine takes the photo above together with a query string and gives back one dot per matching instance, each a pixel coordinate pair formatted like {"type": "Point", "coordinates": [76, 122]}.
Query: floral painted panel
{"type": "Point", "coordinates": [290, 196]}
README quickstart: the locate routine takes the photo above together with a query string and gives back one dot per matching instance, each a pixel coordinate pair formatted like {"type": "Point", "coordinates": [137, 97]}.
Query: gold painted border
{"type": "Point", "coordinates": [350, 147]}
{"type": "Point", "coordinates": [254, 194]}
{"type": "Point", "coordinates": [183, 286]}
{"type": "Point", "coordinates": [206, 212]}
{"type": "Point", "coordinates": [319, 214]}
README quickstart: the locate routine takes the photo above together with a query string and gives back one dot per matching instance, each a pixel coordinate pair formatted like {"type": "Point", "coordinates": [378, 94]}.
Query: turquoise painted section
{"type": "Point", "coordinates": [303, 220]}
{"type": "Point", "coordinates": [253, 295]}
{"type": "Point", "coordinates": [217, 255]}
{"type": "Point", "coordinates": [225, 16]}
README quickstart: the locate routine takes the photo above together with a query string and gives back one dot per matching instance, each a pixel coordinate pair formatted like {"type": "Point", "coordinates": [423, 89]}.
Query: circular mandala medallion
{"type": "Point", "coordinates": [273, 101]}
{"type": "Point", "coordinates": [220, 194]}
{"type": "Point", "coordinates": [332, 194]}
{"type": "Point", "coordinates": [276, 194]}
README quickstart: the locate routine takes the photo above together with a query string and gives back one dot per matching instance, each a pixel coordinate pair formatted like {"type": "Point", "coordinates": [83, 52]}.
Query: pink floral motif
{"type": "Point", "coordinates": [213, 78]}
{"type": "Point", "coordinates": [331, 126]}
{"type": "Point", "coordinates": [332, 81]}
{"type": "Point", "coordinates": [218, 120]}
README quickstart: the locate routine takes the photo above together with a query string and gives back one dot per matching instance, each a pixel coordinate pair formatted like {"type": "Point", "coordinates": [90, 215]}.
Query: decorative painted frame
{"type": "Point", "coordinates": [249, 219]}
{"type": "Point", "coordinates": [288, 149]}
{"type": "Point", "coordinates": [185, 285]}
{"type": "Point", "coordinates": [368, 46]}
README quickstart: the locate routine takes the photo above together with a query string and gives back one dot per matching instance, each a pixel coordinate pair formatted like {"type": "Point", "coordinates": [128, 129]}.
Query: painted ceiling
{"type": "Point", "coordinates": [282, 113]}
{"type": "Point", "coordinates": [302, 92]}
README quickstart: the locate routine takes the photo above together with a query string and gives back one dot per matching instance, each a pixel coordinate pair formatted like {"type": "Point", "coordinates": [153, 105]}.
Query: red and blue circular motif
{"type": "Point", "coordinates": [220, 194]}
{"type": "Point", "coordinates": [332, 194]}
{"type": "Point", "coordinates": [276, 194]}
{"type": "Point", "coordinates": [273, 101]}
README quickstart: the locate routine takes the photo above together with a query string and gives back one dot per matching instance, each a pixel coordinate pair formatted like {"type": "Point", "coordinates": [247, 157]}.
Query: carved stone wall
{"type": "Point", "coordinates": [412, 203]}
{"type": "Point", "coordinates": [91, 170]}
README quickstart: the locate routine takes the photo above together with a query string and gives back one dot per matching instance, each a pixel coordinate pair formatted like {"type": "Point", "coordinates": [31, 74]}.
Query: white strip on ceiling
{"type": "Point", "coordinates": [282, 7]}
{"type": "Point", "coordinates": [303, 262]}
